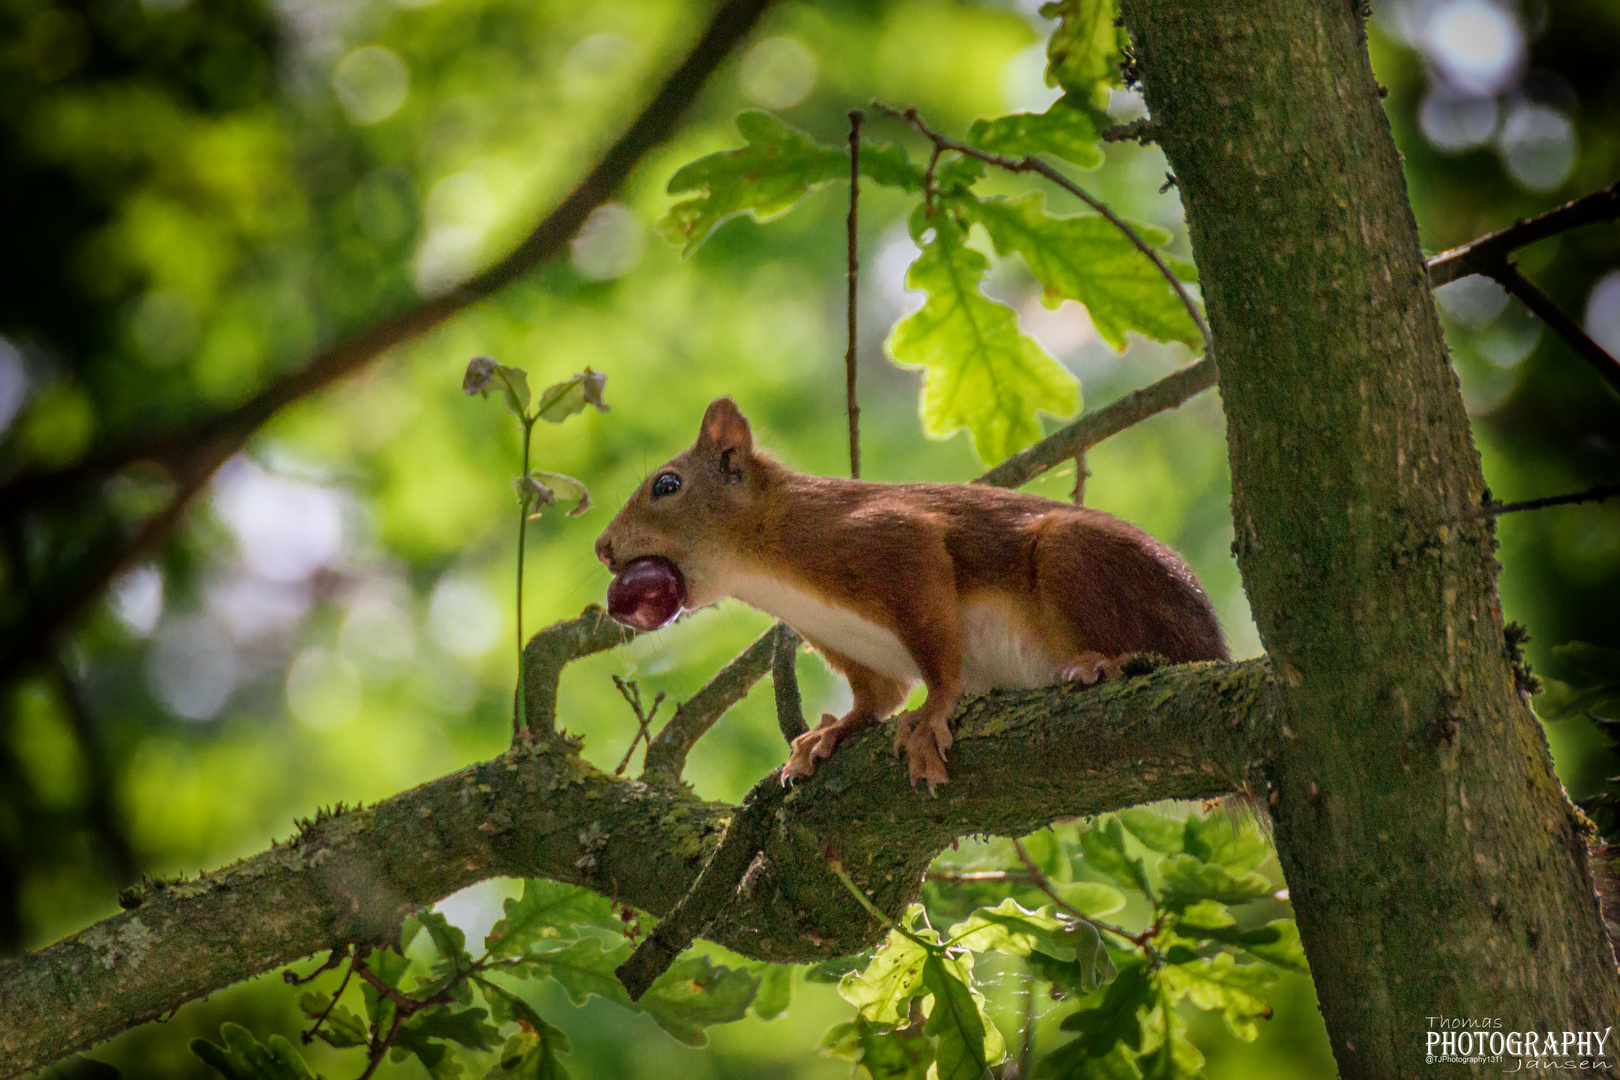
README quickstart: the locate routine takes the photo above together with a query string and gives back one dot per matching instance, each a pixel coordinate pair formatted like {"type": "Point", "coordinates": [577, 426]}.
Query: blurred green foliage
{"type": "Point", "coordinates": [197, 192]}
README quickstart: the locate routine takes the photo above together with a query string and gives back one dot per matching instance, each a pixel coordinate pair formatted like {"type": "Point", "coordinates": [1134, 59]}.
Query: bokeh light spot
{"type": "Point", "coordinates": [371, 84]}
{"type": "Point", "coordinates": [778, 73]}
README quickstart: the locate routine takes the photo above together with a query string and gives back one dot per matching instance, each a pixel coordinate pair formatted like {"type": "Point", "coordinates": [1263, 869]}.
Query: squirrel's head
{"type": "Point", "coordinates": [688, 508]}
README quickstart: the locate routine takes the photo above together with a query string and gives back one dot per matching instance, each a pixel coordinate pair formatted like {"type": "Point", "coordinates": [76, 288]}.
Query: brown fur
{"type": "Point", "coordinates": [1073, 585]}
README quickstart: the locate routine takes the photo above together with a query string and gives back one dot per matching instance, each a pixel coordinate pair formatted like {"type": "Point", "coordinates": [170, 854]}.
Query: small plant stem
{"type": "Point", "coordinates": [1037, 877]}
{"type": "Point", "coordinates": [872, 909]}
{"type": "Point", "coordinates": [855, 118]}
{"type": "Point", "coordinates": [520, 717]}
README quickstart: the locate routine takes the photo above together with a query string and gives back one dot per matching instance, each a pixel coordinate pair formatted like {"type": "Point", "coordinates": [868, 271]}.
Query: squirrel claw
{"type": "Point", "coordinates": [818, 744]}
{"type": "Point", "coordinates": [925, 754]}
{"type": "Point", "coordinates": [1090, 668]}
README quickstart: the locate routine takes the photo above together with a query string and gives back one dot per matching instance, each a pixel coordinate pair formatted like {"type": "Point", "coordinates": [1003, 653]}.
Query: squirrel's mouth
{"type": "Point", "coordinates": [647, 593]}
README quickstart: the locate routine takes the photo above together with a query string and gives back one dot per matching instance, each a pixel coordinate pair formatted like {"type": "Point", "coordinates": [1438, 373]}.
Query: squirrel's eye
{"type": "Point", "coordinates": [665, 484]}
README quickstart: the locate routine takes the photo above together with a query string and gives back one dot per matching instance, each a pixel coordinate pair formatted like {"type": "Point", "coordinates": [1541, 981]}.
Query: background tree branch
{"type": "Point", "coordinates": [541, 811]}
{"type": "Point", "coordinates": [193, 454]}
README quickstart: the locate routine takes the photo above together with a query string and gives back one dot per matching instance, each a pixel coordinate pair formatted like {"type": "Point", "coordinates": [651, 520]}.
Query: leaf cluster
{"type": "Point", "coordinates": [450, 1011]}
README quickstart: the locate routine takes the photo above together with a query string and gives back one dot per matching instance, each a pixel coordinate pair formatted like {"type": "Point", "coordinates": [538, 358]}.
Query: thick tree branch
{"type": "Point", "coordinates": [191, 455]}
{"type": "Point", "coordinates": [1182, 732]}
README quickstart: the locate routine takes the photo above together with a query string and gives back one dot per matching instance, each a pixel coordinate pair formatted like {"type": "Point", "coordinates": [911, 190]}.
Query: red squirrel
{"type": "Point", "coordinates": [963, 586]}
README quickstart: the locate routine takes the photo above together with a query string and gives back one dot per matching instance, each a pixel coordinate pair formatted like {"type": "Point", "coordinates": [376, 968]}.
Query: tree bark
{"type": "Point", "coordinates": [541, 811]}
{"type": "Point", "coordinates": [1435, 866]}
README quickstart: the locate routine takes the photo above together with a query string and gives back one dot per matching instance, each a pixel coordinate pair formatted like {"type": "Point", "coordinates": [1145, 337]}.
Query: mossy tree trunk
{"type": "Point", "coordinates": [1435, 866]}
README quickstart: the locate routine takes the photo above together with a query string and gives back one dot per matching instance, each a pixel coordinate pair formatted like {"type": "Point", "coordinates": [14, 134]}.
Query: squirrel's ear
{"type": "Point", "coordinates": [725, 430]}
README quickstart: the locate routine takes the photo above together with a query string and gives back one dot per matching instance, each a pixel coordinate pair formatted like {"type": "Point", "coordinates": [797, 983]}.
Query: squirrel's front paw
{"type": "Point", "coordinates": [815, 746]}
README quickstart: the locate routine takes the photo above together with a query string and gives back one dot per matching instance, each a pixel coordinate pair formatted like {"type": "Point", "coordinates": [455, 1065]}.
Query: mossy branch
{"type": "Point", "coordinates": [540, 810]}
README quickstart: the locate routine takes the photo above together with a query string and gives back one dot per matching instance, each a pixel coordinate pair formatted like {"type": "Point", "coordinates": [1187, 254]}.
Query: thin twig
{"type": "Point", "coordinates": [1492, 249]}
{"type": "Point", "coordinates": [333, 959]}
{"type": "Point", "coordinates": [309, 1036]}
{"type": "Point", "coordinates": [855, 118]}
{"type": "Point", "coordinates": [1508, 276]}
{"type": "Point", "coordinates": [632, 696]}
{"type": "Point", "coordinates": [1594, 494]}
{"type": "Point", "coordinates": [1081, 473]}
{"type": "Point", "coordinates": [1036, 165]}
{"type": "Point", "coordinates": [1039, 880]}
{"type": "Point", "coordinates": [192, 454]}
{"type": "Point", "coordinates": [666, 753]}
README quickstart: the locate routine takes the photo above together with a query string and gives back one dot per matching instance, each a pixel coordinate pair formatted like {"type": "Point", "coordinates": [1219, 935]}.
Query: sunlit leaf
{"type": "Point", "coordinates": [1085, 257]}
{"type": "Point", "coordinates": [1092, 897]}
{"type": "Point", "coordinates": [981, 371]}
{"type": "Point", "coordinates": [1220, 984]}
{"type": "Point", "coordinates": [778, 167]}
{"type": "Point", "coordinates": [696, 993]}
{"type": "Point", "coordinates": [1085, 49]}
{"type": "Point", "coordinates": [547, 910]}
{"type": "Point", "coordinates": [1047, 850]}
{"type": "Point", "coordinates": [531, 1055]}
{"type": "Point", "coordinates": [1061, 130]}
{"type": "Point", "coordinates": [244, 1058]}
{"type": "Point", "coordinates": [1162, 834]}
{"type": "Point", "coordinates": [890, 981]}
{"type": "Point", "coordinates": [1012, 929]}
{"type": "Point", "coordinates": [968, 1043]}
{"type": "Point", "coordinates": [1167, 1053]}
{"type": "Point", "coordinates": [1276, 943]}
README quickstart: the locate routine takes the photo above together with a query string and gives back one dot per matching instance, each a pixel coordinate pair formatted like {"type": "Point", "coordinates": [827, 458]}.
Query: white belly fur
{"type": "Point", "coordinates": [997, 650]}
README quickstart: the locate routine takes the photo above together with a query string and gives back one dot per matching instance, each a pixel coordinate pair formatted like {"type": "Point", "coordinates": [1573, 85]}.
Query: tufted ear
{"type": "Point", "coordinates": [725, 430]}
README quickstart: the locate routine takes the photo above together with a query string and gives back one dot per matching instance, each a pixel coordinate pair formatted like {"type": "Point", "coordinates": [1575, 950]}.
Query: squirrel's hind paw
{"type": "Point", "coordinates": [1089, 668]}
{"type": "Point", "coordinates": [924, 759]}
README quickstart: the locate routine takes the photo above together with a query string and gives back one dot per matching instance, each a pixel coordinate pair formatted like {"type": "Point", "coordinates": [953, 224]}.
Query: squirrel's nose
{"type": "Point", "coordinates": [604, 550]}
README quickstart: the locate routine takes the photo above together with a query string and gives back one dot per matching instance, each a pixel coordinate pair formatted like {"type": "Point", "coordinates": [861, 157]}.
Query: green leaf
{"type": "Point", "coordinates": [583, 968]}
{"type": "Point", "coordinates": [1085, 49]}
{"type": "Point", "coordinates": [898, 1054]}
{"type": "Point", "coordinates": [695, 993]}
{"type": "Point", "coordinates": [968, 1043]}
{"type": "Point", "coordinates": [1104, 845]}
{"type": "Point", "coordinates": [1046, 848]}
{"type": "Point", "coordinates": [244, 1058]}
{"type": "Point", "coordinates": [1009, 928]}
{"type": "Point", "coordinates": [1276, 943]}
{"type": "Point", "coordinates": [1091, 967]}
{"type": "Point", "coordinates": [547, 910]}
{"type": "Point", "coordinates": [982, 373]}
{"type": "Point", "coordinates": [1112, 1017]}
{"type": "Point", "coordinates": [1085, 257]}
{"type": "Point", "coordinates": [890, 981]}
{"type": "Point", "coordinates": [1167, 1054]}
{"type": "Point", "coordinates": [1188, 879]}
{"type": "Point", "coordinates": [464, 1026]}
{"type": "Point", "coordinates": [778, 167]}
{"type": "Point", "coordinates": [1230, 840]}
{"type": "Point", "coordinates": [833, 971]}
{"type": "Point", "coordinates": [531, 1055]}
{"type": "Point", "coordinates": [390, 967]}
{"type": "Point", "coordinates": [561, 400]}
{"type": "Point", "coordinates": [1219, 983]}
{"type": "Point", "coordinates": [1157, 832]}
{"type": "Point", "coordinates": [79, 1067]}
{"type": "Point", "coordinates": [1061, 130]}
{"type": "Point", "coordinates": [775, 990]}
{"type": "Point", "coordinates": [435, 1056]}
{"type": "Point", "coordinates": [541, 489]}
{"type": "Point", "coordinates": [1066, 1064]}
{"type": "Point", "coordinates": [341, 1028]}
{"type": "Point", "coordinates": [1092, 897]}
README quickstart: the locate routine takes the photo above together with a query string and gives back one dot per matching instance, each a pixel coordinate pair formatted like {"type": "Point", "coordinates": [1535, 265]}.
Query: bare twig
{"type": "Point", "coordinates": [558, 645]}
{"type": "Point", "coordinates": [308, 1037]}
{"type": "Point", "coordinates": [1491, 250]}
{"type": "Point", "coordinates": [1036, 165]}
{"type": "Point", "coordinates": [105, 821]}
{"type": "Point", "coordinates": [1092, 428]}
{"type": "Point", "coordinates": [855, 118]}
{"type": "Point", "coordinates": [1508, 276]}
{"type": "Point", "coordinates": [333, 959]}
{"type": "Point", "coordinates": [632, 696]}
{"type": "Point", "coordinates": [194, 453]}
{"type": "Point", "coordinates": [1039, 880]}
{"type": "Point", "coordinates": [666, 753]}
{"type": "Point", "coordinates": [1082, 473]}
{"type": "Point", "coordinates": [1489, 256]}
{"type": "Point", "coordinates": [1594, 494]}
